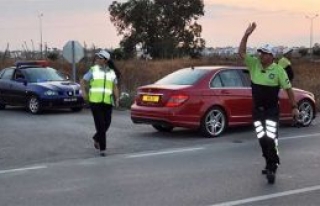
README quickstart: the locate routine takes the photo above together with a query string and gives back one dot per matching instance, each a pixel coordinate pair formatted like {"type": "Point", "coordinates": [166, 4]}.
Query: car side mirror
{"type": "Point", "coordinates": [65, 75]}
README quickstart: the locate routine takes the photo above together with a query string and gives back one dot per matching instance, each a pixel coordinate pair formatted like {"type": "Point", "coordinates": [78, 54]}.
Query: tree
{"type": "Point", "coordinates": [159, 26]}
{"type": "Point", "coordinates": [54, 55]}
{"type": "Point", "coordinates": [316, 49]}
{"type": "Point", "coordinates": [303, 52]}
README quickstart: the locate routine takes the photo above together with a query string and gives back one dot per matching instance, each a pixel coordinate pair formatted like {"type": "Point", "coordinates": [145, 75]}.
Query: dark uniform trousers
{"type": "Point", "coordinates": [101, 113]}
{"type": "Point", "coordinates": [266, 122]}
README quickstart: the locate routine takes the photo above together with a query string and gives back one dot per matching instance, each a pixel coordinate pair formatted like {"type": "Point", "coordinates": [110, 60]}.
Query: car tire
{"type": "Point", "coordinates": [34, 105]}
{"type": "Point", "coordinates": [2, 106]}
{"type": "Point", "coordinates": [307, 112]}
{"type": "Point", "coordinates": [214, 122]}
{"type": "Point", "coordinates": [162, 128]}
{"type": "Point", "coordinates": [76, 109]}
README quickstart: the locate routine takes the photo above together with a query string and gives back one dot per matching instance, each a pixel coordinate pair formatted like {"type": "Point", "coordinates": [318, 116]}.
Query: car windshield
{"type": "Point", "coordinates": [183, 77]}
{"type": "Point", "coordinates": [41, 74]}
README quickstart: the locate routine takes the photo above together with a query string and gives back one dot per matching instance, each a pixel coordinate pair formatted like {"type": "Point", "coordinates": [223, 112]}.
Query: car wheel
{"type": "Point", "coordinates": [2, 106]}
{"type": "Point", "coordinates": [306, 113]}
{"type": "Point", "coordinates": [34, 105]}
{"type": "Point", "coordinates": [213, 123]}
{"type": "Point", "coordinates": [162, 128]}
{"type": "Point", "coordinates": [76, 109]}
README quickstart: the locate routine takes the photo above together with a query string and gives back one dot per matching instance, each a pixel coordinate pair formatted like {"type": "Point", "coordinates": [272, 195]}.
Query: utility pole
{"type": "Point", "coordinates": [40, 28]}
{"type": "Point", "coordinates": [311, 18]}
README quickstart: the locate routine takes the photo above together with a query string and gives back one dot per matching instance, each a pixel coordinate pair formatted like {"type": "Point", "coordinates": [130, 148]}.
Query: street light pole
{"type": "Point", "coordinates": [40, 27]}
{"type": "Point", "coordinates": [311, 18]}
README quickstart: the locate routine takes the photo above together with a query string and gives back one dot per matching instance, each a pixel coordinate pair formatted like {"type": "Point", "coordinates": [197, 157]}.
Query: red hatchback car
{"type": "Point", "coordinates": [208, 98]}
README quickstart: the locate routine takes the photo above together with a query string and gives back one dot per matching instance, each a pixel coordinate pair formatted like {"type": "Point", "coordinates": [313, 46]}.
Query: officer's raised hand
{"type": "Point", "coordinates": [243, 43]}
{"type": "Point", "coordinates": [252, 26]}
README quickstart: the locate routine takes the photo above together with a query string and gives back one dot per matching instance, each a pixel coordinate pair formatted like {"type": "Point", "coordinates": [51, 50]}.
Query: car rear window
{"type": "Point", "coordinates": [183, 77]}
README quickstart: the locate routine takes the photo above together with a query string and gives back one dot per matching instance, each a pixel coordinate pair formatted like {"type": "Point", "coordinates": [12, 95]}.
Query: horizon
{"type": "Point", "coordinates": [279, 23]}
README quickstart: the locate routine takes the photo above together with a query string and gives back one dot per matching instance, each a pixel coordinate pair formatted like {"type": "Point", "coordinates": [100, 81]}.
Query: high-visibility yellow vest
{"type": "Point", "coordinates": [101, 85]}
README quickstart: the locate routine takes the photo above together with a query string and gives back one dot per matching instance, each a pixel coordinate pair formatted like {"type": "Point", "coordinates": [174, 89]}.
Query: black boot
{"type": "Point", "coordinates": [271, 176]}
{"type": "Point", "coordinates": [264, 171]}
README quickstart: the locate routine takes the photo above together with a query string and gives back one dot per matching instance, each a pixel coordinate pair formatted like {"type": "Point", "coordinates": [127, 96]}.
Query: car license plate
{"type": "Point", "coordinates": [150, 98]}
{"type": "Point", "coordinates": [70, 100]}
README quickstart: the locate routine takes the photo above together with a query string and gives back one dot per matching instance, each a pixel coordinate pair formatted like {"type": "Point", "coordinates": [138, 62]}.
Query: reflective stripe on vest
{"type": "Point", "coordinates": [101, 86]}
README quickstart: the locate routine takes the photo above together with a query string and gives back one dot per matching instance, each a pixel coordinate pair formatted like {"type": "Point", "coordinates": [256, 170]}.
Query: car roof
{"type": "Point", "coordinates": [29, 64]}
{"type": "Point", "coordinates": [217, 67]}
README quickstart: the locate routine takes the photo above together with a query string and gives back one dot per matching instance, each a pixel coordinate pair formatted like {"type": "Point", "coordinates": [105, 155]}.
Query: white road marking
{"type": "Point", "coordinates": [165, 152]}
{"type": "Point", "coordinates": [302, 136]}
{"type": "Point", "coordinates": [267, 197]}
{"type": "Point", "coordinates": [151, 154]}
{"type": "Point", "coordinates": [23, 169]}
{"type": "Point", "coordinates": [5, 148]}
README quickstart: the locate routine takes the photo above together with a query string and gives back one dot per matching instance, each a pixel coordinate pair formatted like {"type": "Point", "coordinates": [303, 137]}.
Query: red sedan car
{"type": "Point", "coordinates": [208, 98]}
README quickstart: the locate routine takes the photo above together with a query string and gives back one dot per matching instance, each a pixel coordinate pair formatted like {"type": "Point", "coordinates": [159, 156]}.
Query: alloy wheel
{"type": "Point", "coordinates": [214, 122]}
{"type": "Point", "coordinates": [34, 105]}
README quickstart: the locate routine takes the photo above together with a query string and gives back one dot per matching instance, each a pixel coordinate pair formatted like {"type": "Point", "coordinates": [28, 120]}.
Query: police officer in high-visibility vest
{"type": "Point", "coordinates": [285, 63]}
{"type": "Point", "coordinates": [99, 87]}
{"type": "Point", "coordinates": [267, 78]}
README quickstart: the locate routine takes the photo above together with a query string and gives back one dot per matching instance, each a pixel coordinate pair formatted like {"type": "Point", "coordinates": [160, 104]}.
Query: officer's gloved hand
{"type": "Point", "coordinates": [296, 118]}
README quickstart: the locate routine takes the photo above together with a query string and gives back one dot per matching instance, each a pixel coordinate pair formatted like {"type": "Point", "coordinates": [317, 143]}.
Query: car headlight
{"type": "Point", "coordinates": [50, 93]}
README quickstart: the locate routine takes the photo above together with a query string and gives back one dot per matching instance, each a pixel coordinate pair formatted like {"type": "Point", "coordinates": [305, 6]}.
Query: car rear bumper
{"type": "Point", "coordinates": [162, 116]}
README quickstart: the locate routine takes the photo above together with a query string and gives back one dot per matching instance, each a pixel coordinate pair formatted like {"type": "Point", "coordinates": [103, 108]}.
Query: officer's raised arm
{"type": "Point", "coordinates": [243, 44]}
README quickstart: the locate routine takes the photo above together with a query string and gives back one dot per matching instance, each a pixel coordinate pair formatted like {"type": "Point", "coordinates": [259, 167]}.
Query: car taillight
{"type": "Point", "coordinates": [176, 100]}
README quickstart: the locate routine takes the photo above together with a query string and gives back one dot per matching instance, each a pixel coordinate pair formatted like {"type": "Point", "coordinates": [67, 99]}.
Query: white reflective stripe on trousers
{"type": "Point", "coordinates": [259, 129]}
{"type": "Point", "coordinates": [270, 130]}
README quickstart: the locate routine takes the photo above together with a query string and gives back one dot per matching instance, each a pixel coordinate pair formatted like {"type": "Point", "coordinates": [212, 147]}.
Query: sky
{"type": "Point", "coordinates": [279, 22]}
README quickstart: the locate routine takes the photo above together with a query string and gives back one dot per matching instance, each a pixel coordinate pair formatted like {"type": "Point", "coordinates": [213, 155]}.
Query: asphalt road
{"type": "Point", "coordinates": [54, 136]}
{"type": "Point", "coordinates": [49, 160]}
